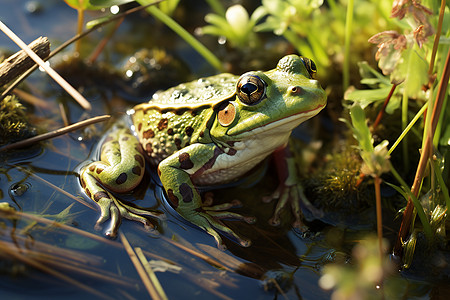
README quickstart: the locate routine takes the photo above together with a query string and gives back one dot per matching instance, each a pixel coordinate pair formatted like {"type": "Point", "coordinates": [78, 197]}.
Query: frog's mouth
{"type": "Point", "coordinates": [283, 125]}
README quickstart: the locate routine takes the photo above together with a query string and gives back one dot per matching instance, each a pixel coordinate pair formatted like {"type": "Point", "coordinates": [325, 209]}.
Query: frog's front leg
{"type": "Point", "coordinates": [120, 169]}
{"type": "Point", "coordinates": [177, 172]}
{"type": "Point", "coordinates": [289, 191]}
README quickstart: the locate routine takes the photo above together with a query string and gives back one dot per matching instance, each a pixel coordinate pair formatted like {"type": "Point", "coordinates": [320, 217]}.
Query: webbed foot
{"type": "Point", "coordinates": [209, 218]}
{"type": "Point", "coordinates": [292, 196]}
{"type": "Point", "coordinates": [111, 208]}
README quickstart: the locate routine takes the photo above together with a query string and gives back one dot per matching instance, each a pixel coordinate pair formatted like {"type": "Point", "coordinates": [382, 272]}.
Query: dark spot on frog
{"type": "Point", "coordinates": [172, 198]}
{"type": "Point", "coordinates": [193, 113]}
{"type": "Point", "coordinates": [185, 161]}
{"type": "Point", "coordinates": [170, 131]}
{"type": "Point", "coordinates": [121, 178]}
{"type": "Point", "coordinates": [177, 143]}
{"type": "Point", "coordinates": [189, 130]}
{"type": "Point", "coordinates": [230, 143]}
{"type": "Point", "coordinates": [124, 138]}
{"type": "Point", "coordinates": [136, 170]}
{"type": "Point", "coordinates": [148, 149]}
{"type": "Point", "coordinates": [100, 195]}
{"type": "Point", "coordinates": [139, 149]}
{"type": "Point", "coordinates": [162, 124]}
{"type": "Point", "coordinates": [148, 134]}
{"type": "Point", "coordinates": [83, 183]}
{"type": "Point", "coordinates": [139, 127]}
{"type": "Point", "coordinates": [99, 170]}
{"type": "Point", "coordinates": [88, 192]}
{"type": "Point", "coordinates": [186, 192]}
{"type": "Point", "coordinates": [210, 163]}
{"type": "Point", "coordinates": [202, 133]}
{"type": "Point", "coordinates": [232, 151]}
{"type": "Point", "coordinates": [92, 168]}
{"type": "Point", "coordinates": [139, 159]}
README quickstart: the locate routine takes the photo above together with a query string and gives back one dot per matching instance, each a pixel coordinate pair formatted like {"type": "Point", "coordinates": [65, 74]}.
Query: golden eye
{"type": "Point", "coordinates": [250, 89]}
{"type": "Point", "coordinates": [226, 114]}
{"type": "Point", "coordinates": [310, 66]}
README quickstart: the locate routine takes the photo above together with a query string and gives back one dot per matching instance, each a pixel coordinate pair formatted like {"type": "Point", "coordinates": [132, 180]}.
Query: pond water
{"type": "Point", "coordinates": [56, 262]}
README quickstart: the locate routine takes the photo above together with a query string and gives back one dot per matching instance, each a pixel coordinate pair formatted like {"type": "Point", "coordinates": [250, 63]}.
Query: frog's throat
{"type": "Point", "coordinates": [282, 125]}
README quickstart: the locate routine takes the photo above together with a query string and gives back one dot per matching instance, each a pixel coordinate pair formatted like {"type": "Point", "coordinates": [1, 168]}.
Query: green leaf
{"type": "Point", "coordinates": [360, 129]}
{"type": "Point", "coordinates": [95, 22]}
{"type": "Point", "coordinates": [367, 97]}
{"type": "Point", "coordinates": [412, 68]}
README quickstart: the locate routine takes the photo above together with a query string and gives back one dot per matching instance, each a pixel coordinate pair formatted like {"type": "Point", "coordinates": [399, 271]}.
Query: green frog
{"type": "Point", "coordinates": [208, 132]}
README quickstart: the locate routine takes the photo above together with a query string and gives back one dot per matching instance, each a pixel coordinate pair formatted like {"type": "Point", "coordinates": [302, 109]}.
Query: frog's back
{"type": "Point", "coordinates": [197, 92]}
{"type": "Point", "coordinates": [174, 119]}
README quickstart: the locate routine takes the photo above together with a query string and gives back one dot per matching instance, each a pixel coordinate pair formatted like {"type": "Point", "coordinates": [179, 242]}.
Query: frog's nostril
{"type": "Point", "coordinates": [295, 90]}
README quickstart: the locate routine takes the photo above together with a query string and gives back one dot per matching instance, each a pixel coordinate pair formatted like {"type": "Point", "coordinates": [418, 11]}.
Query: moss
{"type": "Point", "coordinates": [335, 184]}
{"type": "Point", "coordinates": [13, 123]}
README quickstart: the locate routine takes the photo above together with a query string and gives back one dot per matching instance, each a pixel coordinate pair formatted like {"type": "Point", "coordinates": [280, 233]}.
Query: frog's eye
{"type": "Point", "coordinates": [226, 114]}
{"type": "Point", "coordinates": [310, 66]}
{"type": "Point", "coordinates": [250, 89]}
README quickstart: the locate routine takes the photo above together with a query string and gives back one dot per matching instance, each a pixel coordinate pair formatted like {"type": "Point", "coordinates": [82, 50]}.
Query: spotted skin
{"type": "Point", "coordinates": [186, 132]}
{"type": "Point", "coordinates": [120, 143]}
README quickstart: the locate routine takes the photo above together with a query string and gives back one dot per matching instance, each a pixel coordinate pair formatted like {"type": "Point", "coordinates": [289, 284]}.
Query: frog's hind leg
{"type": "Point", "coordinates": [120, 169]}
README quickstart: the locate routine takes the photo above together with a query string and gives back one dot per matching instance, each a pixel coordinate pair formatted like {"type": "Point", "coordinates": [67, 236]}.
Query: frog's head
{"type": "Point", "coordinates": [270, 103]}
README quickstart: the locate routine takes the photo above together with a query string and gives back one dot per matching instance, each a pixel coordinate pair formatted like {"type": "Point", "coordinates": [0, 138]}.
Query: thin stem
{"type": "Point", "coordinates": [383, 109]}
{"type": "Point", "coordinates": [80, 22]}
{"type": "Point", "coordinates": [199, 47]}
{"type": "Point", "coordinates": [377, 183]}
{"type": "Point", "coordinates": [348, 35]}
{"type": "Point", "coordinates": [408, 128]}
{"type": "Point", "coordinates": [436, 38]}
{"type": "Point", "coordinates": [139, 268]}
{"type": "Point", "coordinates": [55, 133]}
{"type": "Point", "coordinates": [415, 203]}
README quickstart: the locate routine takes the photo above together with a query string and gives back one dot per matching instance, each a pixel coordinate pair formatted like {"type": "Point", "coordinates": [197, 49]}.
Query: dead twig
{"type": "Point", "coordinates": [139, 268]}
{"type": "Point", "coordinates": [19, 62]}
{"type": "Point", "coordinates": [55, 133]}
{"type": "Point", "coordinates": [52, 73]}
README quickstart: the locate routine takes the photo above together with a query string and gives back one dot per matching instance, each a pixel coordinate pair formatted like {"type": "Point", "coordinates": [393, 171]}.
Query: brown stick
{"type": "Point", "coordinates": [18, 63]}
{"type": "Point", "coordinates": [424, 157]}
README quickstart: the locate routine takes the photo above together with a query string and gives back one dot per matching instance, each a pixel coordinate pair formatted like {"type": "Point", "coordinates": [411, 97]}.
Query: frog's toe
{"type": "Point", "coordinates": [210, 221]}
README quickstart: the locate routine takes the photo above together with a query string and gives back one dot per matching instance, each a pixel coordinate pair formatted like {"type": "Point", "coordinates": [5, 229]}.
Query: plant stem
{"type": "Point", "coordinates": [348, 35]}
{"type": "Point", "coordinates": [377, 183]}
{"type": "Point", "coordinates": [80, 22]}
{"type": "Point", "coordinates": [436, 38]}
{"type": "Point", "coordinates": [383, 109]}
{"type": "Point", "coordinates": [201, 49]}
{"type": "Point", "coordinates": [408, 128]}
{"type": "Point", "coordinates": [415, 203]}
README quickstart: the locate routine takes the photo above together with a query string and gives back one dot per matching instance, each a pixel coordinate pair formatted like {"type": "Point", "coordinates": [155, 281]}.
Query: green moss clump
{"type": "Point", "coordinates": [335, 185]}
{"type": "Point", "coordinates": [13, 123]}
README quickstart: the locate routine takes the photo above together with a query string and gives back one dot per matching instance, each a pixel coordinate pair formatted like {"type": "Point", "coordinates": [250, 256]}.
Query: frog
{"type": "Point", "coordinates": [208, 132]}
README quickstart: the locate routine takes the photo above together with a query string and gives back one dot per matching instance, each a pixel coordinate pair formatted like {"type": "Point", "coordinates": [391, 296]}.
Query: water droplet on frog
{"type": "Point", "coordinates": [18, 189]}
